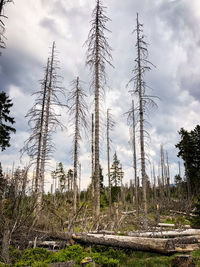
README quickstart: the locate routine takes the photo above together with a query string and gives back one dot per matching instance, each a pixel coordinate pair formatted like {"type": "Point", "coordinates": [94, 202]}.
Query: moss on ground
{"type": "Point", "coordinates": [102, 256]}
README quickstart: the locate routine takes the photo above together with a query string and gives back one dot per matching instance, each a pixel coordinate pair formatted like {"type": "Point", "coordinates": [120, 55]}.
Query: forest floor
{"type": "Point", "coordinates": [92, 256]}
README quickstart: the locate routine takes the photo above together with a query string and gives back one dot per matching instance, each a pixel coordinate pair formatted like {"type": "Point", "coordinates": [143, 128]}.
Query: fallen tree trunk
{"type": "Point", "coordinates": [176, 233]}
{"type": "Point", "coordinates": [48, 244]}
{"type": "Point", "coordinates": [160, 245]}
{"type": "Point", "coordinates": [183, 213]}
{"type": "Point", "coordinates": [173, 225]}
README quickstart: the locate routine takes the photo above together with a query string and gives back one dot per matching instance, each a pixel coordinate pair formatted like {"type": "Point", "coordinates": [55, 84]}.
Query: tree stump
{"type": "Point", "coordinates": [183, 261]}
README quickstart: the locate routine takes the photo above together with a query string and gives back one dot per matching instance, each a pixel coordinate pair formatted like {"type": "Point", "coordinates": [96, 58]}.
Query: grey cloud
{"type": "Point", "coordinates": [49, 24]}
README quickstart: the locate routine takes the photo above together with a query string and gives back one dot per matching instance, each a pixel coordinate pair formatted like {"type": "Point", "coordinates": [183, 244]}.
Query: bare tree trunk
{"type": "Point", "coordinates": [1, 6]}
{"type": "Point", "coordinates": [79, 191]}
{"type": "Point", "coordinates": [6, 243]}
{"type": "Point", "coordinates": [37, 175]}
{"type": "Point", "coordinates": [92, 158]}
{"type": "Point", "coordinates": [168, 178]}
{"type": "Point", "coordinates": [46, 129]}
{"type": "Point", "coordinates": [142, 152]}
{"type": "Point", "coordinates": [76, 148]}
{"type": "Point", "coordinates": [97, 87]}
{"type": "Point", "coordinates": [108, 160]}
{"type": "Point", "coordinates": [98, 54]}
{"type": "Point", "coordinates": [135, 163]}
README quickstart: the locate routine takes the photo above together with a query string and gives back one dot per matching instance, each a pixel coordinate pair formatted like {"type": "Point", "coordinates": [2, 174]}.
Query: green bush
{"type": "Point", "coordinates": [104, 261]}
{"type": "Point", "coordinates": [74, 252]}
{"type": "Point", "coordinates": [195, 221]}
{"type": "Point", "coordinates": [33, 255]}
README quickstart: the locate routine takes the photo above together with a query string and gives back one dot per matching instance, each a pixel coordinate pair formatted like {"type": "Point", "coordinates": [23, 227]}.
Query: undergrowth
{"type": "Point", "coordinates": [102, 256]}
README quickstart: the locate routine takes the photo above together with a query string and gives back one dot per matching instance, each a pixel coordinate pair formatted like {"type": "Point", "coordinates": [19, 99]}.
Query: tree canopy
{"type": "Point", "coordinates": [189, 151]}
{"type": "Point", "coordinates": [5, 129]}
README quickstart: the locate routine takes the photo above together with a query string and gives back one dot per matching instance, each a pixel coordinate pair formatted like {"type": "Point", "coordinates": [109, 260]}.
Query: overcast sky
{"type": "Point", "coordinates": [172, 31]}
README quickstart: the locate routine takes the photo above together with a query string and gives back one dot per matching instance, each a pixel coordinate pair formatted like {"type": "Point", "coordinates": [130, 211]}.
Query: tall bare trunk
{"type": "Point", "coordinates": [96, 141]}
{"type": "Point", "coordinates": [135, 161]}
{"type": "Point", "coordinates": [142, 152]}
{"type": "Point", "coordinates": [92, 159]}
{"type": "Point", "coordinates": [46, 129]}
{"type": "Point", "coordinates": [168, 177]}
{"type": "Point", "coordinates": [37, 174]}
{"type": "Point", "coordinates": [108, 160]}
{"type": "Point", "coordinates": [76, 147]}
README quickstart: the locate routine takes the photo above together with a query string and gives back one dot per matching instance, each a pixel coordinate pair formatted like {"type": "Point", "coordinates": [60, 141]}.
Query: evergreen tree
{"type": "Point", "coordinates": [5, 130]}
{"type": "Point", "coordinates": [189, 151]}
{"type": "Point", "coordinates": [60, 173]}
{"type": "Point", "coordinates": [70, 180]}
{"type": "Point", "coordinates": [116, 172]}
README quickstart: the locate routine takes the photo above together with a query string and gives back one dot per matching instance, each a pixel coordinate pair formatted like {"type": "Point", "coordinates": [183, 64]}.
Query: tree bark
{"type": "Point", "coordinates": [97, 87]}
{"type": "Point", "coordinates": [135, 163]}
{"type": "Point", "coordinates": [6, 243]}
{"type": "Point", "coordinates": [76, 147]}
{"type": "Point", "coordinates": [142, 152]}
{"type": "Point", "coordinates": [108, 160]}
{"type": "Point", "coordinates": [160, 245]}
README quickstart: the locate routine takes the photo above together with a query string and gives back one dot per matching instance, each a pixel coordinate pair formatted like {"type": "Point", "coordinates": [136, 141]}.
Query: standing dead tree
{"type": "Point", "coordinates": [78, 113]}
{"type": "Point", "coordinates": [2, 24]}
{"type": "Point", "coordinates": [43, 121]}
{"type": "Point", "coordinates": [92, 161]}
{"type": "Point", "coordinates": [144, 101]}
{"type": "Point", "coordinates": [98, 54]}
{"type": "Point", "coordinates": [109, 127]}
{"type": "Point", "coordinates": [132, 122]}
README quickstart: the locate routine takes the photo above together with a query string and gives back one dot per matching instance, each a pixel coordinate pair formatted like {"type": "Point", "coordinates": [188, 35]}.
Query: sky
{"type": "Point", "coordinates": [171, 28]}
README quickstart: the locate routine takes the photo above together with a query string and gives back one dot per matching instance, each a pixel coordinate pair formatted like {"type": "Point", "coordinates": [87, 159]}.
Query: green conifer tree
{"type": "Point", "coordinates": [5, 130]}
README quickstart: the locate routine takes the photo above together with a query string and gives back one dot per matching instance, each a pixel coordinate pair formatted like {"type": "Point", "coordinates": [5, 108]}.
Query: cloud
{"type": "Point", "coordinates": [171, 29]}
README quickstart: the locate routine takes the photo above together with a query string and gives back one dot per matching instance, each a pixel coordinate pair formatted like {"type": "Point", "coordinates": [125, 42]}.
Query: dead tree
{"type": "Point", "coordinates": [2, 24]}
{"type": "Point", "coordinates": [132, 121]}
{"type": "Point", "coordinates": [78, 113]}
{"type": "Point", "coordinates": [92, 161]}
{"type": "Point", "coordinates": [98, 54]}
{"type": "Point", "coordinates": [109, 127]}
{"type": "Point", "coordinates": [43, 121]}
{"type": "Point", "coordinates": [168, 177]}
{"type": "Point", "coordinates": [144, 101]}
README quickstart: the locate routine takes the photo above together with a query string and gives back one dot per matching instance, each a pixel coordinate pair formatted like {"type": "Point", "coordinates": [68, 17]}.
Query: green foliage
{"type": "Point", "coordinates": [75, 252]}
{"type": "Point", "coordinates": [5, 130]}
{"type": "Point", "coordinates": [196, 255]}
{"type": "Point", "coordinates": [115, 192]}
{"type": "Point", "coordinates": [104, 261]}
{"type": "Point", "coordinates": [15, 254]}
{"type": "Point", "coordinates": [116, 173]}
{"type": "Point", "coordinates": [32, 256]}
{"type": "Point", "coordinates": [189, 151]}
{"type": "Point", "coordinates": [141, 259]}
{"type": "Point", "coordinates": [104, 200]}
{"type": "Point", "coordinates": [195, 221]}
{"type": "Point", "coordinates": [41, 257]}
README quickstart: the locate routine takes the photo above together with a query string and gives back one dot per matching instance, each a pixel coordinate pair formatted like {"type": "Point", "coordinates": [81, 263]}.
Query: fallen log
{"type": "Point", "coordinates": [171, 233]}
{"type": "Point", "coordinates": [183, 213]}
{"type": "Point", "coordinates": [187, 248]}
{"type": "Point", "coordinates": [104, 232]}
{"type": "Point", "coordinates": [173, 225]}
{"type": "Point", "coordinates": [129, 212]}
{"type": "Point", "coordinates": [160, 245]}
{"type": "Point", "coordinates": [48, 244]}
